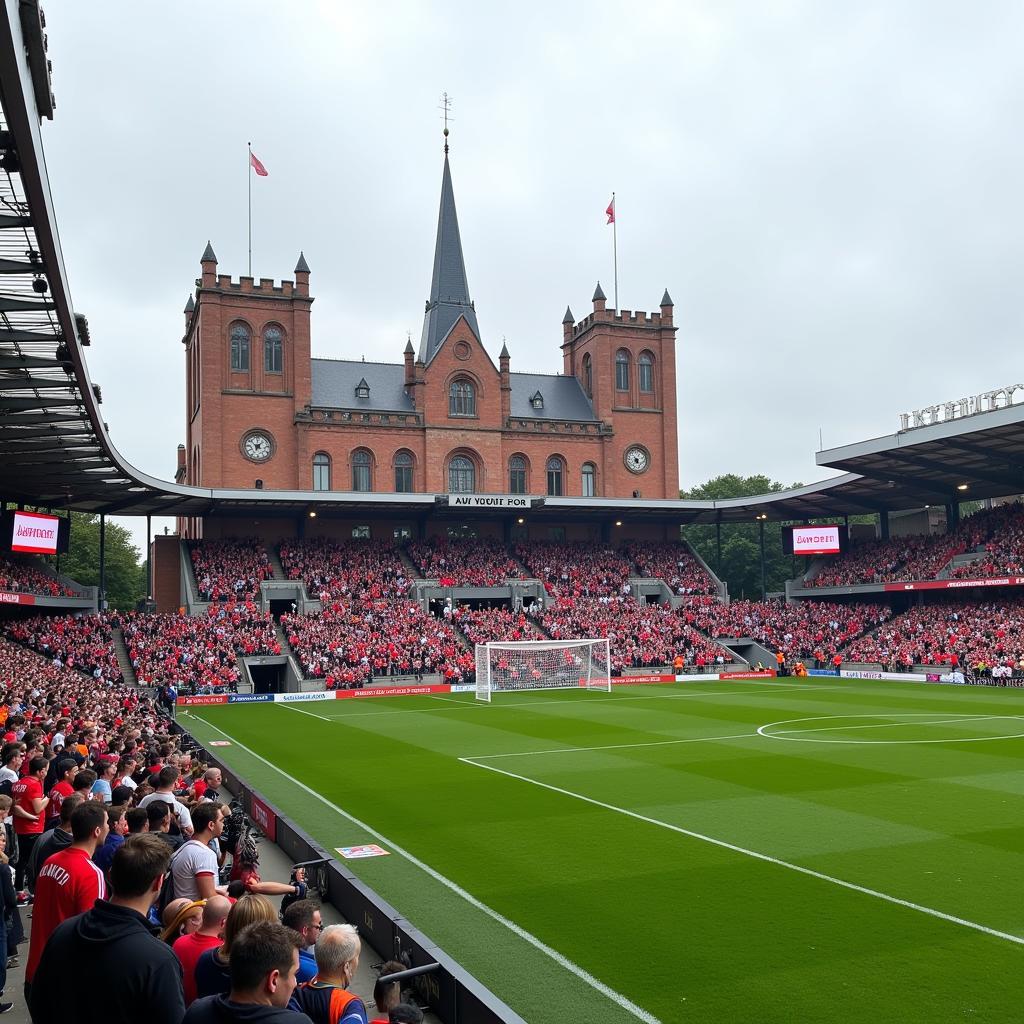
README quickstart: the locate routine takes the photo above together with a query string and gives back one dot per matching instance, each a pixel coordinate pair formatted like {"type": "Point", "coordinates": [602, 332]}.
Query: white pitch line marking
{"type": "Point", "coordinates": [796, 735]}
{"type": "Point", "coordinates": [563, 961]}
{"type": "Point", "coordinates": [800, 869]}
{"type": "Point", "coordinates": [301, 711]}
{"type": "Point", "coordinates": [615, 746]}
{"type": "Point", "coordinates": [891, 725]}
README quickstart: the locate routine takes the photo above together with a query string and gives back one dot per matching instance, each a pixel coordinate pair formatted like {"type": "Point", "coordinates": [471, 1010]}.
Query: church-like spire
{"type": "Point", "coordinates": [449, 290]}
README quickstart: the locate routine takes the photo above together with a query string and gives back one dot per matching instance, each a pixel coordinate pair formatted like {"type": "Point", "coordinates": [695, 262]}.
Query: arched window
{"type": "Point", "coordinates": [403, 472]}
{"type": "Point", "coordinates": [645, 373]}
{"type": "Point", "coordinates": [461, 398]}
{"type": "Point", "coordinates": [362, 470]}
{"type": "Point", "coordinates": [321, 472]}
{"type": "Point", "coordinates": [461, 475]}
{"type": "Point", "coordinates": [240, 348]}
{"type": "Point", "coordinates": [589, 480]}
{"type": "Point", "coordinates": [517, 475]}
{"type": "Point", "coordinates": [273, 350]}
{"type": "Point", "coordinates": [556, 470]}
{"type": "Point", "coordinates": [588, 376]}
{"type": "Point", "coordinates": [622, 370]}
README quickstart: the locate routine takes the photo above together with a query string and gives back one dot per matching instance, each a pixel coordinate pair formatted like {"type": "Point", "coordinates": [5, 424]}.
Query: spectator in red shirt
{"type": "Point", "coordinates": [69, 883]}
{"type": "Point", "coordinates": [189, 948]}
{"type": "Point", "coordinates": [29, 819]}
{"type": "Point", "coordinates": [67, 769]}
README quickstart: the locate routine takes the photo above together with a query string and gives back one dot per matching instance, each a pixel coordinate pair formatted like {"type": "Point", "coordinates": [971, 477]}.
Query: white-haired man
{"type": "Point", "coordinates": [327, 1000]}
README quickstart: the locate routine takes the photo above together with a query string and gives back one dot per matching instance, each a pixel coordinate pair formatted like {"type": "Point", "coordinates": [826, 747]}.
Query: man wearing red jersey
{"type": "Point", "coordinates": [29, 803]}
{"type": "Point", "coordinates": [67, 769]}
{"type": "Point", "coordinates": [69, 883]}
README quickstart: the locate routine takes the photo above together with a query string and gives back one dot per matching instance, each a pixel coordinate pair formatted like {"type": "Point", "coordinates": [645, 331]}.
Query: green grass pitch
{"type": "Point", "coordinates": [793, 851]}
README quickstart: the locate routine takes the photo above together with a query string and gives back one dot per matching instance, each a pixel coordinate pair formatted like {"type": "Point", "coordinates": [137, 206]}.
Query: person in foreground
{"type": "Point", "coordinates": [114, 940]}
{"type": "Point", "coordinates": [264, 959]}
{"type": "Point", "coordinates": [326, 1000]}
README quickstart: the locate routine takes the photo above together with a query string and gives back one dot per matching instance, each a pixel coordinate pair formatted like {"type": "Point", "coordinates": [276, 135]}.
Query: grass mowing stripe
{"type": "Point", "coordinates": [616, 997]}
{"type": "Point", "coordinates": [767, 858]}
{"type": "Point", "coordinates": [615, 746]}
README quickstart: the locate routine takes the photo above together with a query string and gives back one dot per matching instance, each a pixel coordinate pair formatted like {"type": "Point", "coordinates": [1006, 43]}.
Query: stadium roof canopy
{"type": "Point", "coordinates": [55, 450]}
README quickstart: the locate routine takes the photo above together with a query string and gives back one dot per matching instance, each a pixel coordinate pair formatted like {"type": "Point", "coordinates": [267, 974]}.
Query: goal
{"type": "Point", "coordinates": [542, 665]}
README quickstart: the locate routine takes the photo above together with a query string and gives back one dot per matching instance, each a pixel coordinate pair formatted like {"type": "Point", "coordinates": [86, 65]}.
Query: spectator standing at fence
{"type": "Point", "coordinates": [327, 1000]}
{"type": "Point", "coordinates": [113, 946]}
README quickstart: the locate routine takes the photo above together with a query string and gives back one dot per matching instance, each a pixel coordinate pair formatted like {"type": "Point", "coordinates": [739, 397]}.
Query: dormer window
{"type": "Point", "coordinates": [362, 389]}
{"type": "Point", "coordinates": [537, 400]}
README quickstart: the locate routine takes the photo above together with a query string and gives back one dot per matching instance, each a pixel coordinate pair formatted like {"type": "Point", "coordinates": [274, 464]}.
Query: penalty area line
{"type": "Point", "coordinates": [756, 855]}
{"type": "Point", "coordinates": [585, 976]}
{"type": "Point", "coordinates": [289, 707]}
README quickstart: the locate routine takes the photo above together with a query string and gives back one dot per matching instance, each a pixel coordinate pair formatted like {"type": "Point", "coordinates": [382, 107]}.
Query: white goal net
{"type": "Point", "coordinates": [542, 665]}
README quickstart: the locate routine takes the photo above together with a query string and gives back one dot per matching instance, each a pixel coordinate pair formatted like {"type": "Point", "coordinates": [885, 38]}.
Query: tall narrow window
{"type": "Point", "coordinates": [240, 349]}
{"type": "Point", "coordinates": [555, 471]}
{"type": "Point", "coordinates": [517, 475]}
{"type": "Point", "coordinates": [273, 350]}
{"type": "Point", "coordinates": [321, 472]}
{"type": "Point", "coordinates": [461, 475]}
{"type": "Point", "coordinates": [588, 376]}
{"type": "Point", "coordinates": [645, 373]}
{"type": "Point", "coordinates": [461, 398]}
{"type": "Point", "coordinates": [403, 472]}
{"type": "Point", "coordinates": [589, 478]}
{"type": "Point", "coordinates": [362, 477]}
{"type": "Point", "coordinates": [622, 370]}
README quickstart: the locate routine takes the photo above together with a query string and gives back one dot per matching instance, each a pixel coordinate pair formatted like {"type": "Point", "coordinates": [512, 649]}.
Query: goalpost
{"type": "Point", "coordinates": [542, 665]}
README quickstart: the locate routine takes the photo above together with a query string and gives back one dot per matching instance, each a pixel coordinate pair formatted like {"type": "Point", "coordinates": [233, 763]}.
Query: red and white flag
{"type": "Point", "coordinates": [257, 166]}
{"type": "Point", "coordinates": [611, 212]}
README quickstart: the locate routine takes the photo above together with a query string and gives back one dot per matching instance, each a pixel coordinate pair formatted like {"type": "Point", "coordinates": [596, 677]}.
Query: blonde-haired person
{"type": "Point", "coordinates": [327, 999]}
{"type": "Point", "coordinates": [213, 968]}
{"type": "Point", "coordinates": [181, 917]}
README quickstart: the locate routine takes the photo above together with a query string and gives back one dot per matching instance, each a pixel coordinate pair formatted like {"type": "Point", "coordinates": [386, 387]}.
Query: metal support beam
{"type": "Point", "coordinates": [764, 578]}
{"type": "Point", "coordinates": [149, 558]}
{"type": "Point", "coordinates": [718, 547]}
{"type": "Point", "coordinates": [103, 563]}
{"type": "Point", "coordinates": [958, 474]}
{"type": "Point", "coordinates": [883, 525]}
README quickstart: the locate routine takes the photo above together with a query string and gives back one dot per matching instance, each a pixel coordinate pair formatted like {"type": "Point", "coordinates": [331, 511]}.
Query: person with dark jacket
{"type": "Point", "coordinates": [115, 941]}
{"type": "Point", "coordinates": [264, 961]}
{"type": "Point", "coordinates": [57, 839]}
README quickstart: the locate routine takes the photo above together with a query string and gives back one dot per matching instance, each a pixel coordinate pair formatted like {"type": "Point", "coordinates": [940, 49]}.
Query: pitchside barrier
{"type": "Point", "coordinates": [454, 995]}
{"type": "Point", "coordinates": [412, 691]}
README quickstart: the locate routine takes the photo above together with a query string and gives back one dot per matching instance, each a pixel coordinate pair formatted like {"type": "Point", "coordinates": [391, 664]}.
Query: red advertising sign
{"type": "Point", "coordinates": [994, 581]}
{"type": "Point", "coordinates": [208, 698]}
{"type": "Point", "coordinates": [35, 533]}
{"type": "Point", "coordinates": [770, 673]}
{"type": "Point", "coordinates": [8, 598]}
{"type": "Point", "coordinates": [264, 817]}
{"type": "Point", "coordinates": [393, 691]}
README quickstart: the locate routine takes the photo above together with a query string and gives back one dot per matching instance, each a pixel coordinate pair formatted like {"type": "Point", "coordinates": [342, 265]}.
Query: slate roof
{"type": "Point", "coordinates": [335, 381]}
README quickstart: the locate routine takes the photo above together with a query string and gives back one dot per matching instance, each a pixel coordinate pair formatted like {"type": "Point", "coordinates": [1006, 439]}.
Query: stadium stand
{"type": "Point", "coordinates": [577, 570]}
{"type": "Point", "coordinates": [333, 569]}
{"type": "Point", "coordinates": [19, 576]}
{"type": "Point", "coordinates": [230, 569]}
{"type": "Point", "coordinates": [82, 642]}
{"type": "Point", "coordinates": [672, 563]}
{"type": "Point", "coordinates": [481, 562]}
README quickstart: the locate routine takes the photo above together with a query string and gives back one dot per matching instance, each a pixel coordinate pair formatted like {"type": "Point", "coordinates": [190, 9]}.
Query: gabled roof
{"type": "Point", "coordinates": [335, 381]}
{"type": "Point", "coordinates": [449, 289]}
{"type": "Point", "coordinates": [564, 398]}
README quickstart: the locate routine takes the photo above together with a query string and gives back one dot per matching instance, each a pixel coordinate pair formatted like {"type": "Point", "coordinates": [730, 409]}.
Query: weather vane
{"type": "Point", "coordinates": [446, 106]}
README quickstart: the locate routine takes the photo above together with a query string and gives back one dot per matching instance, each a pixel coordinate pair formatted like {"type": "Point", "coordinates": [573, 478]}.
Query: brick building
{"type": "Point", "coordinates": [262, 412]}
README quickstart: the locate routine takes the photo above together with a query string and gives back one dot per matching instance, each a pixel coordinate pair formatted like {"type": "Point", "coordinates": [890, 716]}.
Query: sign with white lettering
{"type": "Point", "coordinates": [35, 533]}
{"type": "Point", "coordinates": [488, 501]}
{"type": "Point", "coordinates": [987, 401]}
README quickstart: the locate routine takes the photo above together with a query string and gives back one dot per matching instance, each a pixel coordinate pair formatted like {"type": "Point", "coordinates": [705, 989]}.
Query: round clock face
{"type": "Point", "coordinates": [636, 459]}
{"type": "Point", "coordinates": [256, 446]}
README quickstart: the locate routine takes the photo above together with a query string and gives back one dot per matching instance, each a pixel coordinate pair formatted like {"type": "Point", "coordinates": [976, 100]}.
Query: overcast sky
{"type": "Point", "coordinates": [830, 192]}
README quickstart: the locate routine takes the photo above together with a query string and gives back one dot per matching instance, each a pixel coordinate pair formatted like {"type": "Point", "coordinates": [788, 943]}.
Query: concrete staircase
{"type": "Point", "coordinates": [958, 560]}
{"type": "Point", "coordinates": [275, 563]}
{"type": "Point", "coordinates": [282, 639]}
{"type": "Point", "coordinates": [123, 660]}
{"type": "Point", "coordinates": [411, 567]}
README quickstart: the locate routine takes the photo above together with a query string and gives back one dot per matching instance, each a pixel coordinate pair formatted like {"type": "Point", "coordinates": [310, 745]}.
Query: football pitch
{"type": "Point", "coordinates": [786, 851]}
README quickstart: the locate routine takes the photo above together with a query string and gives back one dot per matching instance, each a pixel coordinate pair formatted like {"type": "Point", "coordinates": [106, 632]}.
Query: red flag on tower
{"type": "Point", "coordinates": [257, 166]}
{"type": "Point", "coordinates": [610, 211]}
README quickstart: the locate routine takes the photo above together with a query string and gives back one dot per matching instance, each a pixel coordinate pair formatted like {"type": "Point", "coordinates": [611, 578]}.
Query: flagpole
{"type": "Point", "coordinates": [615, 249]}
{"type": "Point", "coordinates": [249, 172]}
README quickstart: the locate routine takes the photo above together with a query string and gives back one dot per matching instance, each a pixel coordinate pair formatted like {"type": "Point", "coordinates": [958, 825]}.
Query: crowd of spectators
{"type": "Point", "coordinates": [332, 569]}
{"type": "Point", "coordinates": [580, 569]}
{"type": "Point", "coordinates": [479, 562]}
{"type": "Point", "coordinates": [352, 642]}
{"type": "Point", "coordinates": [22, 576]}
{"type": "Point", "coordinates": [82, 642]}
{"type": "Point", "coordinates": [197, 654]}
{"type": "Point", "coordinates": [673, 563]}
{"type": "Point", "coordinates": [230, 569]}
{"type": "Point", "coordinates": [975, 636]}
{"type": "Point", "coordinates": [487, 625]}
{"type": "Point", "coordinates": [1004, 546]}
{"type": "Point", "coordinates": [809, 630]}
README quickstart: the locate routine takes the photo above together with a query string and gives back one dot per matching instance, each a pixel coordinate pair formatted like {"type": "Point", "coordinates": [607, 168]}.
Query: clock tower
{"type": "Point", "coordinates": [247, 359]}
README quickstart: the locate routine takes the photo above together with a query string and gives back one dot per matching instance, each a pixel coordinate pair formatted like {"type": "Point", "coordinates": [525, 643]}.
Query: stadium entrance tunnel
{"type": "Point", "coordinates": [268, 678]}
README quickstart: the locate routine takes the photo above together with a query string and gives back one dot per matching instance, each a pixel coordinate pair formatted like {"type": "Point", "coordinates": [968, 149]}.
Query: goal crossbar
{"type": "Point", "coordinates": [542, 665]}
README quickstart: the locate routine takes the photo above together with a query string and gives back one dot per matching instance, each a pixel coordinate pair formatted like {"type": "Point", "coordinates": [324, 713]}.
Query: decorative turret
{"type": "Point", "coordinates": [208, 262]}
{"type": "Point", "coordinates": [410, 362]}
{"type": "Point", "coordinates": [599, 299]}
{"type": "Point", "coordinates": [302, 275]}
{"type": "Point", "coordinates": [189, 309]}
{"type": "Point", "coordinates": [666, 308]}
{"type": "Point", "coordinates": [568, 323]}
{"type": "Point", "coordinates": [506, 382]}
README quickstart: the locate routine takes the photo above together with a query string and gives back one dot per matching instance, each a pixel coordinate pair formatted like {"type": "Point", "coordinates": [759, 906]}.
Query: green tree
{"type": "Point", "coordinates": [125, 571]}
{"type": "Point", "coordinates": [741, 552]}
